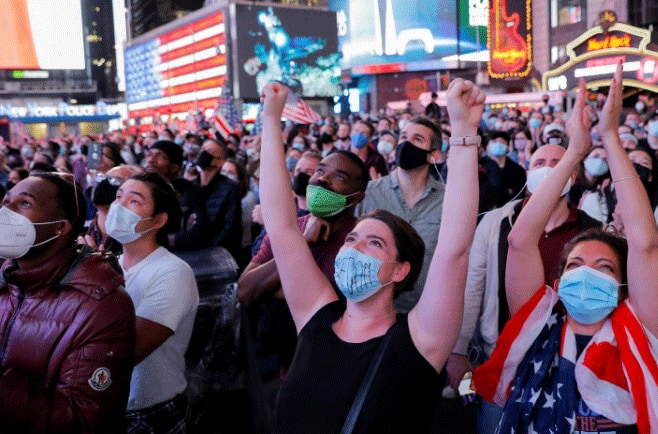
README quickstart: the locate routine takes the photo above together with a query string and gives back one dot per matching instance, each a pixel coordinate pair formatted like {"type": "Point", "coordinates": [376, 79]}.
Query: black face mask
{"type": "Point", "coordinates": [409, 156]}
{"type": "Point", "coordinates": [299, 183]}
{"type": "Point", "coordinates": [644, 174]}
{"type": "Point", "coordinates": [203, 160]}
{"type": "Point", "coordinates": [325, 138]}
{"type": "Point", "coordinates": [104, 193]}
{"type": "Point", "coordinates": [10, 185]}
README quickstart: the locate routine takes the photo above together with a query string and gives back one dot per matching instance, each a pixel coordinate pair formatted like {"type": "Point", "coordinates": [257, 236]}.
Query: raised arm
{"type": "Point", "coordinates": [435, 321]}
{"type": "Point", "coordinates": [635, 210]}
{"type": "Point", "coordinates": [525, 270]}
{"type": "Point", "coordinates": [305, 287]}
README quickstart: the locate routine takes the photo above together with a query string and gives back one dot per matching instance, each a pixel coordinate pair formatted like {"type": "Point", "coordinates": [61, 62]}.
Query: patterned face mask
{"type": "Point", "coordinates": [325, 203]}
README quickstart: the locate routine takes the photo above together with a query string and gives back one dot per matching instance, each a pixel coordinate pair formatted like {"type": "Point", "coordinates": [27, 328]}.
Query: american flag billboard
{"type": "Point", "coordinates": [181, 70]}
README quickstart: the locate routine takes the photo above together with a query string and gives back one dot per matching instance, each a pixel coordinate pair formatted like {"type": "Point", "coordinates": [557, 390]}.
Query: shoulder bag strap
{"type": "Point", "coordinates": [353, 415]}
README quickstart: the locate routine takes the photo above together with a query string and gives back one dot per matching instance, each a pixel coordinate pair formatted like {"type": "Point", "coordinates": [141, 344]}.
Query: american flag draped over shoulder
{"type": "Point", "coordinates": [226, 115]}
{"type": "Point", "coordinates": [297, 110]}
{"type": "Point", "coordinates": [533, 371]}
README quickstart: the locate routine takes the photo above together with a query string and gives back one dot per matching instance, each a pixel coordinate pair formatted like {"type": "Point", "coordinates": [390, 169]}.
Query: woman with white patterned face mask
{"type": "Point", "coordinates": [581, 357]}
{"type": "Point", "coordinates": [380, 257]}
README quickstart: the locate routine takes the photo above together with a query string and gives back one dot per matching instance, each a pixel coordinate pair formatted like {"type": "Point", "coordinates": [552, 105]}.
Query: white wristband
{"type": "Point", "coordinates": [465, 141]}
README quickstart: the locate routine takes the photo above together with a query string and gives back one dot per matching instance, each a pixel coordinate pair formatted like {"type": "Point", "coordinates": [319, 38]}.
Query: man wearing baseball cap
{"type": "Point", "coordinates": [554, 134]}
{"type": "Point", "coordinates": [166, 158]}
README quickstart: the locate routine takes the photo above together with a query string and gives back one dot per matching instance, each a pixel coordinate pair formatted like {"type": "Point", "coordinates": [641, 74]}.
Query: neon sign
{"type": "Point", "coordinates": [610, 41]}
{"type": "Point", "coordinates": [510, 41]}
{"type": "Point", "coordinates": [595, 54]}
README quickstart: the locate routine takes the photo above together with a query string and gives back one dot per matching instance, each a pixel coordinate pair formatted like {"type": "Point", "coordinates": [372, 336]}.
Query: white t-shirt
{"type": "Point", "coordinates": [163, 290]}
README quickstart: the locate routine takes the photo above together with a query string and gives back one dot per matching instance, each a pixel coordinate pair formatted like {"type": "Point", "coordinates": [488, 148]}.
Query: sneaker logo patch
{"type": "Point", "coordinates": [100, 379]}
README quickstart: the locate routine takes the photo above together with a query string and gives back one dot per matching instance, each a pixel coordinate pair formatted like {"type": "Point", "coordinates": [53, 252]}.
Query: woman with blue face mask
{"type": "Point", "coordinates": [581, 357]}
{"type": "Point", "coordinates": [338, 341]}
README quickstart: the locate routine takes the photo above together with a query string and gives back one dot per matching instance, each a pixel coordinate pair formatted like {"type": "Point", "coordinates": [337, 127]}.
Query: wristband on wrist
{"type": "Point", "coordinates": [465, 141]}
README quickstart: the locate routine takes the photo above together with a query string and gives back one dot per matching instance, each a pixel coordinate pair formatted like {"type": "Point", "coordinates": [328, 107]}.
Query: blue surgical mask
{"type": "Point", "coordinates": [596, 166]}
{"type": "Point", "coordinates": [299, 146]}
{"type": "Point", "coordinates": [359, 140]}
{"type": "Point", "coordinates": [589, 295]}
{"type": "Point", "coordinates": [534, 123]}
{"type": "Point", "coordinates": [291, 162]}
{"type": "Point", "coordinates": [497, 149]}
{"type": "Point", "coordinates": [356, 274]}
{"type": "Point", "coordinates": [653, 129]}
{"type": "Point", "coordinates": [444, 147]}
{"type": "Point", "coordinates": [121, 222]}
{"type": "Point", "coordinates": [555, 140]}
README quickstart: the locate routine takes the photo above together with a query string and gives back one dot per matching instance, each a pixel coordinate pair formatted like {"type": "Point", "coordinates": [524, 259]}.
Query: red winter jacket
{"type": "Point", "coordinates": [67, 337]}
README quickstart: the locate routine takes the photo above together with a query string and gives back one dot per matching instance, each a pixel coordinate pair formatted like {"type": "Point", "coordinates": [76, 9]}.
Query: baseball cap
{"type": "Point", "coordinates": [553, 127]}
{"type": "Point", "coordinates": [173, 151]}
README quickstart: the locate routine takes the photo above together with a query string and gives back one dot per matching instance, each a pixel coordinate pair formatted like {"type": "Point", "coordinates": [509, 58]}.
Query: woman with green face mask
{"type": "Point", "coordinates": [340, 343]}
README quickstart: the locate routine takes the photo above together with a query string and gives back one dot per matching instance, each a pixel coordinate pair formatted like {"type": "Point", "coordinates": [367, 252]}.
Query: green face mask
{"type": "Point", "coordinates": [324, 203]}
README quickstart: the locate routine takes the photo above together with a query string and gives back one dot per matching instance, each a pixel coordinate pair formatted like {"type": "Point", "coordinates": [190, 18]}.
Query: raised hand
{"type": "Point", "coordinates": [579, 123]}
{"type": "Point", "coordinates": [465, 103]}
{"type": "Point", "coordinates": [273, 97]}
{"type": "Point", "coordinates": [609, 119]}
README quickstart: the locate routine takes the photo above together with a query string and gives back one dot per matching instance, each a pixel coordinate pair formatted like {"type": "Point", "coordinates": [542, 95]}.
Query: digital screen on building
{"type": "Point", "coordinates": [385, 36]}
{"type": "Point", "coordinates": [473, 22]}
{"type": "Point", "coordinates": [181, 70]}
{"type": "Point", "coordinates": [296, 46]}
{"type": "Point", "coordinates": [41, 35]}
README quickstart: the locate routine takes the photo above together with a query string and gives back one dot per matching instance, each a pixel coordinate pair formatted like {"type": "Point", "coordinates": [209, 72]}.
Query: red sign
{"type": "Point", "coordinates": [509, 38]}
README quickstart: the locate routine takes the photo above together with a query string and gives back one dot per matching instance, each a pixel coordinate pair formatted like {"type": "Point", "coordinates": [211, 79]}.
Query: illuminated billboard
{"type": "Point", "coordinates": [181, 70]}
{"type": "Point", "coordinates": [473, 22]}
{"type": "Point", "coordinates": [385, 36]}
{"type": "Point", "coordinates": [510, 38]}
{"type": "Point", "coordinates": [41, 35]}
{"type": "Point", "coordinates": [296, 46]}
{"type": "Point", "coordinates": [594, 56]}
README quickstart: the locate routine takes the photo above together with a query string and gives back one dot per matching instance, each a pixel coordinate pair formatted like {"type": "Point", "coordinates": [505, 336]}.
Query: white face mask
{"type": "Point", "coordinates": [231, 176]}
{"type": "Point", "coordinates": [537, 176]}
{"type": "Point", "coordinates": [385, 147]}
{"type": "Point", "coordinates": [121, 222]}
{"type": "Point", "coordinates": [17, 234]}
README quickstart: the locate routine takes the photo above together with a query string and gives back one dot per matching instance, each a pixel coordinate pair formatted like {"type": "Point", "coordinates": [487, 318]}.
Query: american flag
{"type": "Point", "coordinates": [226, 114]}
{"type": "Point", "coordinates": [534, 370]}
{"type": "Point", "coordinates": [297, 110]}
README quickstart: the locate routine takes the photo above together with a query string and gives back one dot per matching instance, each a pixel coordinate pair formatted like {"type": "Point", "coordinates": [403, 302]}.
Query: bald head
{"type": "Point", "coordinates": [547, 155]}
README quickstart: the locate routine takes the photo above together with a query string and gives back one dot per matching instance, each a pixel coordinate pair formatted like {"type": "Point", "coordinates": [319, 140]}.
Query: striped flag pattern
{"type": "Point", "coordinates": [616, 375]}
{"type": "Point", "coordinates": [181, 70]}
{"type": "Point", "coordinates": [226, 114]}
{"type": "Point", "coordinates": [297, 110]}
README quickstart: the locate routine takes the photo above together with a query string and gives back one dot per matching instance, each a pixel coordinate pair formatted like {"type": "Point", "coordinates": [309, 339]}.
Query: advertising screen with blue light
{"type": "Point", "coordinates": [389, 36]}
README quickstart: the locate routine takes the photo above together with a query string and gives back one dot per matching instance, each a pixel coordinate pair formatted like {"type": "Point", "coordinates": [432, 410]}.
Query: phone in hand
{"type": "Point", "coordinates": [94, 155]}
{"type": "Point", "coordinates": [465, 391]}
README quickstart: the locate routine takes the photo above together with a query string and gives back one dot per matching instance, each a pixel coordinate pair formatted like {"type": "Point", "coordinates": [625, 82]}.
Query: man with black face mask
{"type": "Point", "coordinates": [411, 193]}
{"type": "Point", "coordinates": [216, 212]}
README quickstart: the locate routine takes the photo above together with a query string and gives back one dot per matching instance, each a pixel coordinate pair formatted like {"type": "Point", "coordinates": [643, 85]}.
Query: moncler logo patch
{"type": "Point", "coordinates": [100, 379]}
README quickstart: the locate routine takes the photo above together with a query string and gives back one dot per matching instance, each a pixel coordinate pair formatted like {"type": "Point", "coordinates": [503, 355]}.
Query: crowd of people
{"type": "Point", "coordinates": [382, 260]}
